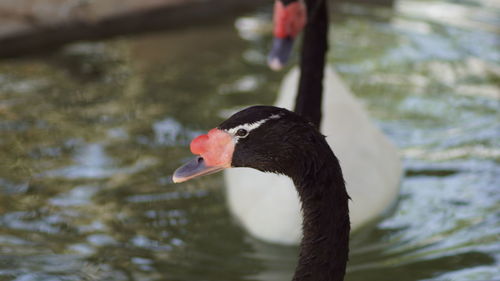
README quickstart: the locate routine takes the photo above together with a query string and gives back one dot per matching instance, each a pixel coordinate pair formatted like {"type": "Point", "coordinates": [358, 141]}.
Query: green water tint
{"type": "Point", "coordinates": [90, 135]}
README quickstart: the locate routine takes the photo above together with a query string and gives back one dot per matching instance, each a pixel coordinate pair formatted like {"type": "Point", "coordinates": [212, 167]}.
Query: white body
{"type": "Point", "coordinates": [267, 205]}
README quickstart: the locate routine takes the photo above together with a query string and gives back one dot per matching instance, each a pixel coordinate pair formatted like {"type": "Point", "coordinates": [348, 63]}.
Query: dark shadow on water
{"type": "Point", "coordinates": [173, 17]}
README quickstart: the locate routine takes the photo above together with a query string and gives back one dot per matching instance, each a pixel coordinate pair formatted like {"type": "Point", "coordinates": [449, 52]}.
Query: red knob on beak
{"type": "Point", "coordinates": [198, 144]}
{"type": "Point", "coordinates": [289, 21]}
{"type": "Point", "coordinates": [215, 151]}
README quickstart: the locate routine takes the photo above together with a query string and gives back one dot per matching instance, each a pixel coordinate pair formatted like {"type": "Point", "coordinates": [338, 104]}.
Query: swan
{"type": "Point", "coordinates": [265, 204]}
{"type": "Point", "coordinates": [272, 139]}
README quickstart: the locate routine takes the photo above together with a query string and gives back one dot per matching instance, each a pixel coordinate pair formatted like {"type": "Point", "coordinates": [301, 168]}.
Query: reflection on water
{"type": "Point", "coordinates": [90, 135]}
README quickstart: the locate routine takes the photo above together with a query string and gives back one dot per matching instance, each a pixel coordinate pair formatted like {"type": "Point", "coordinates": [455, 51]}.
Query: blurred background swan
{"type": "Point", "coordinates": [267, 205]}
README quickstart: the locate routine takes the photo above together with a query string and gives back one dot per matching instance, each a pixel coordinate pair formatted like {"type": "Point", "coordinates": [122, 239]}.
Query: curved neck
{"type": "Point", "coordinates": [325, 245]}
{"type": "Point", "coordinates": [312, 62]}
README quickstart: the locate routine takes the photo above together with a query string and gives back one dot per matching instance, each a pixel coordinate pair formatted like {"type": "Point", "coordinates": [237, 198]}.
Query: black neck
{"type": "Point", "coordinates": [312, 63]}
{"type": "Point", "coordinates": [325, 245]}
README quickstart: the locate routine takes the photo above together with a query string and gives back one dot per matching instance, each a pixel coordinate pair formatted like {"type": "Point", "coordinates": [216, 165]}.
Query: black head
{"type": "Point", "coordinates": [265, 138]}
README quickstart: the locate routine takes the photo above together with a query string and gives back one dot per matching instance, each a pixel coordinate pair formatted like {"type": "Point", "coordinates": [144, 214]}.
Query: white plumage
{"type": "Point", "coordinates": [267, 205]}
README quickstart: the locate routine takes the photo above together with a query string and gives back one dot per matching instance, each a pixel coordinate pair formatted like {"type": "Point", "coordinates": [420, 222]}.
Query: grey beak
{"type": "Point", "coordinates": [192, 169]}
{"type": "Point", "coordinates": [280, 53]}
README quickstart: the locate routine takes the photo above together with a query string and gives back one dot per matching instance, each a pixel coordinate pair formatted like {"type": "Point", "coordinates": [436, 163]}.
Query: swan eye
{"type": "Point", "coordinates": [242, 133]}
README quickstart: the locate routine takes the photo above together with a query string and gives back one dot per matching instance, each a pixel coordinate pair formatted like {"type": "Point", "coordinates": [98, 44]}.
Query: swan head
{"type": "Point", "coordinates": [266, 138]}
{"type": "Point", "coordinates": [289, 19]}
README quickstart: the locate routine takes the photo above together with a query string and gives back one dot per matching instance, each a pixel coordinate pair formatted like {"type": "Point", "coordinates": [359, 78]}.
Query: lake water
{"type": "Point", "coordinates": [90, 135]}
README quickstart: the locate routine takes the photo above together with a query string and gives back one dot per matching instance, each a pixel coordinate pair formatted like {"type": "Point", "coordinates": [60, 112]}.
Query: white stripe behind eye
{"type": "Point", "coordinates": [251, 126]}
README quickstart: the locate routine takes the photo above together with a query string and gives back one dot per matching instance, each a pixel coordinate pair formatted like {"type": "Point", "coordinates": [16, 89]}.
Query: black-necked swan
{"type": "Point", "coordinates": [272, 139]}
{"type": "Point", "coordinates": [265, 204]}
